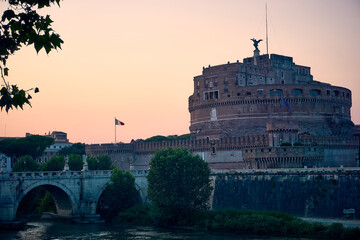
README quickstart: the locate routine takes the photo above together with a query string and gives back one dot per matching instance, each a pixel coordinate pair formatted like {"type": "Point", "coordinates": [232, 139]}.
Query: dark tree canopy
{"type": "Point", "coordinates": [178, 184]}
{"type": "Point", "coordinates": [101, 162]}
{"type": "Point", "coordinates": [76, 148]}
{"type": "Point", "coordinates": [75, 162]}
{"type": "Point", "coordinates": [55, 163]}
{"type": "Point", "coordinates": [33, 145]}
{"type": "Point", "coordinates": [159, 138]}
{"type": "Point", "coordinates": [26, 164]}
{"type": "Point", "coordinates": [118, 195]}
{"type": "Point", "coordinates": [21, 25]}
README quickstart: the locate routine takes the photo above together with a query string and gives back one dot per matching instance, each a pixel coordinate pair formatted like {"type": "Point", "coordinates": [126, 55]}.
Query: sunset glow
{"type": "Point", "coordinates": [135, 60]}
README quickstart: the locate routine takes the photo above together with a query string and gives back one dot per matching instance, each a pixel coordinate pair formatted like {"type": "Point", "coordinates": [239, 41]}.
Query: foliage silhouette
{"type": "Point", "coordinates": [75, 162]}
{"type": "Point", "coordinates": [76, 148]}
{"type": "Point", "coordinates": [101, 162]}
{"type": "Point", "coordinates": [178, 185]}
{"type": "Point", "coordinates": [33, 145]}
{"type": "Point", "coordinates": [118, 195]}
{"type": "Point", "coordinates": [55, 163]}
{"type": "Point", "coordinates": [26, 164]}
{"type": "Point", "coordinates": [22, 25]}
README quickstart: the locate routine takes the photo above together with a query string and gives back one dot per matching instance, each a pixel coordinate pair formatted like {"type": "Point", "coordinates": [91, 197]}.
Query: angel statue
{"type": "Point", "coordinates": [256, 42]}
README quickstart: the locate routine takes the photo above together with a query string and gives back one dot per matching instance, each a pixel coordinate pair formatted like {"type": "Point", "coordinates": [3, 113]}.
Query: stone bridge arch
{"type": "Point", "coordinates": [65, 200]}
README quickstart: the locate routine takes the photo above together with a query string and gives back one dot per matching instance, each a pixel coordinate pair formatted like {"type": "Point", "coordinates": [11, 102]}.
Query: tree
{"type": "Point", "coordinates": [118, 195]}
{"type": "Point", "coordinates": [76, 148]}
{"type": "Point", "coordinates": [21, 25]}
{"type": "Point", "coordinates": [55, 163]}
{"type": "Point", "coordinates": [47, 204]}
{"type": "Point", "coordinates": [178, 184]}
{"type": "Point", "coordinates": [101, 162]}
{"type": "Point", "coordinates": [33, 145]}
{"type": "Point", "coordinates": [75, 162]}
{"type": "Point", "coordinates": [26, 164]}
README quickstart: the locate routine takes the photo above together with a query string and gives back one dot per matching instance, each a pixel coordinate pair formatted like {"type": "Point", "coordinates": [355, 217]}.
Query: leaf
{"type": "Point", "coordinates": [38, 45]}
{"type": "Point", "coordinates": [36, 90]}
{"type": "Point", "coordinates": [8, 14]}
{"type": "Point", "coordinates": [6, 71]}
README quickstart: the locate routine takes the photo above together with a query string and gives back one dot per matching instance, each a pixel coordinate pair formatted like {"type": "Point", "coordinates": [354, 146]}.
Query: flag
{"type": "Point", "coordinates": [284, 103]}
{"type": "Point", "coordinates": [118, 122]}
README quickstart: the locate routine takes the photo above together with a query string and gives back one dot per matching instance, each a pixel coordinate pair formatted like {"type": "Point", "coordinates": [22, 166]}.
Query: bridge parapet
{"type": "Point", "coordinates": [52, 174]}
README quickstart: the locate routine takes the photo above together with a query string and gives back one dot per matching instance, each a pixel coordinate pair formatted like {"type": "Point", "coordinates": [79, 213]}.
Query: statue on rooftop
{"type": "Point", "coordinates": [256, 43]}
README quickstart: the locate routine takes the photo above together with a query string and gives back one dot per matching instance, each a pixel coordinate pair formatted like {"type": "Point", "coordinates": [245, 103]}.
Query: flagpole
{"type": "Point", "coordinates": [115, 129]}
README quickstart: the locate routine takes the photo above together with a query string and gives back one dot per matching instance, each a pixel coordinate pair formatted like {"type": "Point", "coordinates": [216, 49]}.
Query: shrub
{"type": "Point", "coordinates": [136, 215]}
{"type": "Point", "coordinates": [334, 231]}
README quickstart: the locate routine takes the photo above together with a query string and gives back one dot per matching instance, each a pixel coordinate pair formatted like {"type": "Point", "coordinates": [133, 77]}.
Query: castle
{"type": "Point", "coordinates": [264, 112]}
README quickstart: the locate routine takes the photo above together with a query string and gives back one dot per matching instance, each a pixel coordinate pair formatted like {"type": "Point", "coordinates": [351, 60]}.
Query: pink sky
{"type": "Point", "coordinates": [135, 60]}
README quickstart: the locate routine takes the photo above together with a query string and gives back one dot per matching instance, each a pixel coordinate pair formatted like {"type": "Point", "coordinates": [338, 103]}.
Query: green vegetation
{"type": "Point", "coordinates": [101, 162]}
{"type": "Point", "coordinates": [76, 148]}
{"type": "Point", "coordinates": [75, 162]}
{"type": "Point", "coordinates": [21, 25]}
{"type": "Point", "coordinates": [36, 202]}
{"type": "Point", "coordinates": [137, 215]}
{"type": "Point", "coordinates": [160, 138]}
{"type": "Point", "coordinates": [55, 163]}
{"type": "Point", "coordinates": [178, 185]}
{"type": "Point", "coordinates": [33, 145]}
{"type": "Point", "coordinates": [266, 223]}
{"type": "Point", "coordinates": [26, 164]}
{"type": "Point", "coordinates": [118, 195]}
{"type": "Point", "coordinates": [47, 204]}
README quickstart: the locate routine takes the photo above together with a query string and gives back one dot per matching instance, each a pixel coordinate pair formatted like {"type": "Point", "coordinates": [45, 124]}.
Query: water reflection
{"type": "Point", "coordinates": [67, 231]}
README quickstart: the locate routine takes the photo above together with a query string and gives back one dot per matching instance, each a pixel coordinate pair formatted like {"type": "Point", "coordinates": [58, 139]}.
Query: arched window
{"type": "Point", "coordinates": [315, 92]}
{"type": "Point", "coordinates": [296, 91]}
{"type": "Point", "coordinates": [276, 91]}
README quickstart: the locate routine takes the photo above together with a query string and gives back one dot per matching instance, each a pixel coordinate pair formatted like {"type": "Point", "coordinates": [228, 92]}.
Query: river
{"type": "Point", "coordinates": [68, 231]}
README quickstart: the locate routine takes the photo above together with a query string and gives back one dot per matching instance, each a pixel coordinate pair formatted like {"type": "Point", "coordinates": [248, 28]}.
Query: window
{"type": "Point", "coordinates": [260, 92]}
{"type": "Point", "coordinates": [275, 92]}
{"type": "Point", "coordinates": [238, 94]}
{"type": "Point", "coordinates": [327, 92]}
{"type": "Point", "coordinates": [211, 95]}
{"type": "Point", "coordinates": [206, 96]}
{"type": "Point", "coordinates": [296, 91]}
{"type": "Point", "coordinates": [315, 92]}
{"type": "Point", "coordinates": [336, 93]}
{"type": "Point", "coordinates": [248, 93]}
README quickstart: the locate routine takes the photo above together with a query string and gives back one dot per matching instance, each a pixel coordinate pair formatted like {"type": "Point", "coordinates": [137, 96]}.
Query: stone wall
{"type": "Point", "coordinates": [301, 192]}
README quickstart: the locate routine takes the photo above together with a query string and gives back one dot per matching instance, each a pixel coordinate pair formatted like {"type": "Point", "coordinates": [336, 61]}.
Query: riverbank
{"type": "Point", "coordinates": [63, 230]}
{"type": "Point", "coordinates": [329, 221]}
{"type": "Point", "coordinates": [260, 223]}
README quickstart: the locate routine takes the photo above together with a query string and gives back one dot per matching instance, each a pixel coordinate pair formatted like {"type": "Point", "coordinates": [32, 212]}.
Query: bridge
{"type": "Point", "coordinates": [76, 193]}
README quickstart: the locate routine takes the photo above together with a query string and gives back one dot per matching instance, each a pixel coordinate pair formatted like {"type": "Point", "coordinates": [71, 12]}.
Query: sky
{"type": "Point", "coordinates": [135, 60]}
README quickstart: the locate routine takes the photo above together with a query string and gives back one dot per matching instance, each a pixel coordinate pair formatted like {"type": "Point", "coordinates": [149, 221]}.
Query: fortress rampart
{"type": "Point", "coordinates": [324, 192]}
{"type": "Point", "coordinates": [265, 112]}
